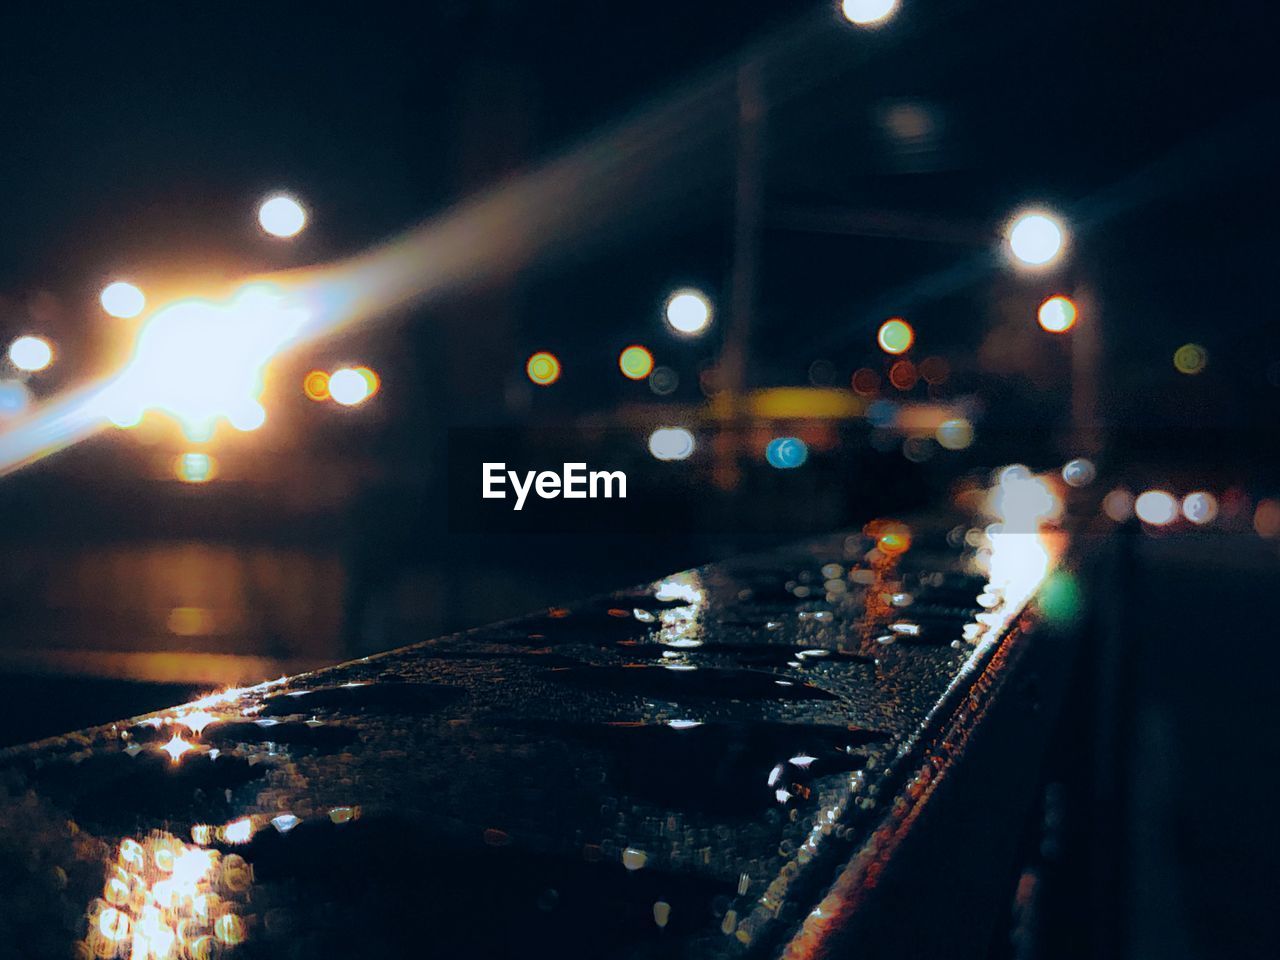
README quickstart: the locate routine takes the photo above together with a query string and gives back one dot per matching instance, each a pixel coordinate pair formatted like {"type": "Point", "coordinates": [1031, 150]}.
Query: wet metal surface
{"type": "Point", "coordinates": [674, 770]}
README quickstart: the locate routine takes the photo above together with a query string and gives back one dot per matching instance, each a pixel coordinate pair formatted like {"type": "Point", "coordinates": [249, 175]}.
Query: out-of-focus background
{"type": "Point", "coordinates": [789, 291]}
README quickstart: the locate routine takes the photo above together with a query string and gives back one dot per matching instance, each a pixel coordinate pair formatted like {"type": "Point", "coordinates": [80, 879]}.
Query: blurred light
{"type": "Point", "coordinates": [671, 443]}
{"type": "Point", "coordinates": [917, 449]}
{"type": "Point", "coordinates": [316, 385]}
{"type": "Point", "coordinates": [688, 312]}
{"type": "Point", "coordinates": [14, 397]}
{"type": "Point", "coordinates": [822, 373]}
{"type": "Point", "coordinates": [1060, 598]}
{"type": "Point", "coordinates": [543, 368]}
{"type": "Point", "coordinates": [371, 379]}
{"type": "Point", "coordinates": [865, 382]}
{"type": "Point", "coordinates": [1079, 472]}
{"type": "Point", "coordinates": [895, 336]}
{"type": "Point", "coordinates": [1266, 518]}
{"type": "Point", "coordinates": [1035, 238]}
{"type": "Point", "coordinates": [1020, 497]}
{"type": "Point", "coordinates": [935, 370]}
{"type": "Point", "coordinates": [282, 216]}
{"type": "Point", "coordinates": [663, 381]}
{"type": "Point", "coordinates": [1156, 507]}
{"type": "Point", "coordinates": [635, 362]}
{"type": "Point", "coordinates": [1057, 314]}
{"type": "Point", "coordinates": [903, 375]}
{"type": "Point", "coordinates": [247, 417]}
{"type": "Point", "coordinates": [349, 387]}
{"type": "Point", "coordinates": [176, 747]}
{"type": "Point", "coordinates": [786, 453]}
{"type": "Point", "coordinates": [1200, 507]}
{"type": "Point", "coordinates": [1190, 358]}
{"type": "Point", "coordinates": [1118, 505]}
{"type": "Point", "coordinates": [955, 434]}
{"type": "Point", "coordinates": [868, 13]}
{"type": "Point", "coordinates": [195, 468]}
{"type": "Point", "coordinates": [31, 353]}
{"type": "Point", "coordinates": [122, 300]}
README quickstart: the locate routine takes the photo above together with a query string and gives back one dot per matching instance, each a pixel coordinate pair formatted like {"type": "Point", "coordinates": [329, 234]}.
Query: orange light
{"type": "Point", "coordinates": [1057, 314]}
{"type": "Point", "coordinates": [543, 368]}
{"type": "Point", "coordinates": [903, 375]}
{"type": "Point", "coordinates": [895, 336]}
{"type": "Point", "coordinates": [635, 362]}
{"type": "Point", "coordinates": [195, 468]}
{"type": "Point", "coordinates": [371, 378]}
{"type": "Point", "coordinates": [316, 386]}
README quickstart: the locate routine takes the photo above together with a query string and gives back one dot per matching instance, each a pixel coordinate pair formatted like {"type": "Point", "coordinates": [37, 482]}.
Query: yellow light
{"type": "Point", "coordinates": [688, 312]}
{"type": "Point", "coordinates": [1156, 507]}
{"type": "Point", "coordinates": [955, 434]}
{"type": "Point", "coordinates": [895, 336]}
{"type": "Point", "coordinates": [348, 387]}
{"type": "Point", "coordinates": [282, 216]}
{"type": "Point", "coordinates": [31, 353]}
{"type": "Point", "coordinates": [373, 381]}
{"type": "Point", "coordinates": [195, 468]}
{"type": "Point", "coordinates": [868, 13]}
{"type": "Point", "coordinates": [122, 300]}
{"type": "Point", "coordinates": [635, 362]}
{"type": "Point", "coordinates": [1057, 314]}
{"type": "Point", "coordinates": [543, 368]}
{"type": "Point", "coordinates": [1036, 238]}
{"type": "Point", "coordinates": [316, 386]}
{"type": "Point", "coordinates": [1191, 359]}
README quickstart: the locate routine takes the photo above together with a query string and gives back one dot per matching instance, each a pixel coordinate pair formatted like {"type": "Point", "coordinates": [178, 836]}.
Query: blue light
{"type": "Point", "coordinates": [13, 398]}
{"type": "Point", "coordinates": [786, 453]}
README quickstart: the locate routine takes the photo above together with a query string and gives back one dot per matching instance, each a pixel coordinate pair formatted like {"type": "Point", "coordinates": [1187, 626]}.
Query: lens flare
{"type": "Point", "coordinates": [635, 362]}
{"type": "Point", "coordinates": [1057, 315]}
{"type": "Point", "coordinates": [316, 386]}
{"type": "Point", "coordinates": [688, 312]}
{"type": "Point", "coordinates": [31, 353]}
{"type": "Point", "coordinates": [543, 368]}
{"type": "Point", "coordinates": [282, 216]}
{"type": "Point", "coordinates": [122, 300]}
{"type": "Point", "coordinates": [895, 336]}
{"type": "Point", "coordinates": [349, 387]}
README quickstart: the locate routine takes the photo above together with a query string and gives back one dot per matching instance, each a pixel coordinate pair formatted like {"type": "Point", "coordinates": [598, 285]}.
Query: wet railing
{"type": "Point", "coordinates": [790, 754]}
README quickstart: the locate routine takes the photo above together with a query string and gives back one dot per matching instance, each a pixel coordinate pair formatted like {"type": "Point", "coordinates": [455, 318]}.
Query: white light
{"type": "Point", "coordinates": [671, 443]}
{"type": "Point", "coordinates": [1200, 507]}
{"type": "Point", "coordinates": [1156, 507]}
{"type": "Point", "coordinates": [688, 312]}
{"type": "Point", "coordinates": [122, 300]}
{"type": "Point", "coordinates": [282, 216]}
{"type": "Point", "coordinates": [31, 353]}
{"type": "Point", "coordinates": [1079, 472]}
{"type": "Point", "coordinates": [868, 13]}
{"type": "Point", "coordinates": [1036, 238]}
{"type": "Point", "coordinates": [348, 387]}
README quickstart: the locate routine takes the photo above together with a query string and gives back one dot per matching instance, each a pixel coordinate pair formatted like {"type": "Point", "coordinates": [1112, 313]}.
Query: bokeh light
{"type": "Point", "coordinates": [316, 386]}
{"type": "Point", "coordinates": [1156, 507]}
{"type": "Point", "coordinates": [903, 375]}
{"type": "Point", "coordinates": [1057, 314]}
{"type": "Point", "coordinates": [865, 382]}
{"type": "Point", "coordinates": [1190, 358]}
{"type": "Point", "coordinates": [543, 368]}
{"type": "Point", "coordinates": [195, 468]}
{"type": "Point", "coordinates": [635, 362]}
{"type": "Point", "coordinates": [1200, 507]}
{"type": "Point", "coordinates": [895, 336]}
{"type": "Point", "coordinates": [955, 434]}
{"type": "Point", "coordinates": [663, 381]}
{"type": "Point", "coordinates": [1118, 505]}
{"type": "Point", "coordinates": [688, 312]}
{"type": "Point", "coordinates": [14, 398]}
{"type": "Point", "coordinates": [31, 353]}
{"type": "Point", "coordinates": [349, 387]}
{"type": "Point", "coordinates": [786, 453]}
{"type": "Point", "coordinates": [671, 443]}
{"type": "Point", "coordinates": [371, 379]}
{"type": "Point", "coordinates": [935, 370]}
{"type": "Point", "coordinates": [1079, 472]}
{"type": "Point", "coordinates": [1266, 518]}
{"type": "Point", "coordinates": [1036, 238]}
{"type": "Point", "coordinates": [282, 216]}
{"type": "Point", "coordinates": [122, 300]}
{"type": "Point", "coordinates": [868, 13]}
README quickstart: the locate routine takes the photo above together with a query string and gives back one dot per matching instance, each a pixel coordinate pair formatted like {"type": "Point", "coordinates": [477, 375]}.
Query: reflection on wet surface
{"type": "Point", "coordinates": [673, 770]}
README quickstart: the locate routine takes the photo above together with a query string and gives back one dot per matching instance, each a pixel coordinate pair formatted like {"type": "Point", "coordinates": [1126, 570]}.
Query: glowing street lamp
{"type": "Point", "coordinates": [282, 216]}
{"type": "Point", "coordinates": [122, 300]}
{"type": "Point", "coordinates": [1036, 238]}
{"type": "Point", "coordinates": [868, 13]}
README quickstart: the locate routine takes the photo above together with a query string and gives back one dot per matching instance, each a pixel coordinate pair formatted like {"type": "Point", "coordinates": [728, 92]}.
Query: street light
{"type": "Point", "coordinates": [868, 13]}
{"type": "Point", "coordinates": [122, 300]}
{"type": "Point", "coordinates": [1036, 238]}
{"type": "Point", "coordinates": [282, 216]}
